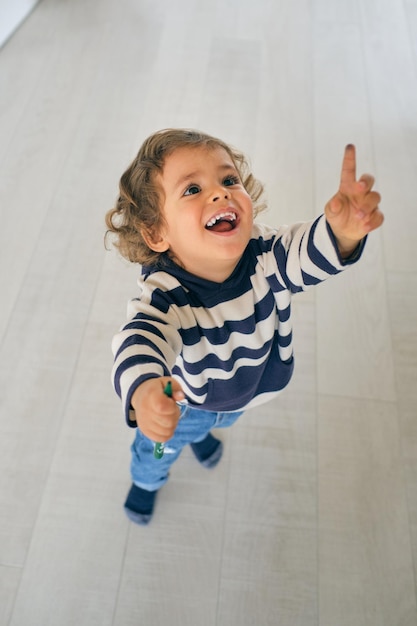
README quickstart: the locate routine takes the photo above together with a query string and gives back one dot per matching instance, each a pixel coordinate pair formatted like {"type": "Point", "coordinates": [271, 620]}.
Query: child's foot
{"type": "Point", "coordinates": [209, 451]}
{"type": "Point", "coordinates": [139, 505]}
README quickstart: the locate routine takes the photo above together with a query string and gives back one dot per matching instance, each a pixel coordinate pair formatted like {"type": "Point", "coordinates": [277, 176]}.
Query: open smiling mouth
{"type": "Point", "coordinates": [223, 222]}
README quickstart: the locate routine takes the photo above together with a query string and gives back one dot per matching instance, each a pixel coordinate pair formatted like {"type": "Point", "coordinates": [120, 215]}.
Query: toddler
{"type": "Point", "coordinates": [213, 311]}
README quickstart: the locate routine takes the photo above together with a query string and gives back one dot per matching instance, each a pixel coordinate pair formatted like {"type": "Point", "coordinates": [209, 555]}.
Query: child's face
{"type": "Point", "coordinates": [208, 212]}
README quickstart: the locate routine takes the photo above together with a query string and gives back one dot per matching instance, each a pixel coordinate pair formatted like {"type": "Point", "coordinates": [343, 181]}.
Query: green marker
{"type": "Point", "coordinates": [158, 450]}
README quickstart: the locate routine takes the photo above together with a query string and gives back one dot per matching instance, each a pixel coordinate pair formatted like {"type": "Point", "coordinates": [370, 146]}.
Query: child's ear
{"type": "Point", "coordinates": [155, 240]}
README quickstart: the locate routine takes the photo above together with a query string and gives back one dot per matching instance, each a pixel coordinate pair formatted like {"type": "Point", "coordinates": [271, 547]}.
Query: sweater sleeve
{"type": "Point", "coordinates": [305, 254]}
{"type": "Point", "coordinates": [147, 346]}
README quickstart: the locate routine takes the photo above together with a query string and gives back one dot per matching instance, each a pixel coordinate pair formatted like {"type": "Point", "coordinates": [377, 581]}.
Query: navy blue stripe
{"type": "Point", "coordinates": [280, 255]}
{"type": "Point", "coordinates": [144, 317]}
{"type": "Point", "coordinates": [132, 362]}
{"type": "Point", "coordinates": [261, 245]}
{"type": "Point", "coordinates": [212, 361]}
{"type": "Point", "coordinates": [310, 280]}
{"type": "Point", "coordinates": [316, 256]}
{"type": "Point", "coordinates": [284, 314]}
{"type": "Point", "coordinates": [274, 283]}
{"type": "Point", "coordinates": [138, 340]}
{"type": "Point", "coordinates": [285, 340]}
{"type": "Point", "coordinates": [133, 387]}
{"type": "Point", "coordinates": [264, 307]}
{"type": "Point", "coordinates": [281, 258]}
{"type": "Point", "coordinates": [197, 391]}
{"type": "Point", "coordinates": [293, 287]}
{"type": "Point", "coordinates": [162, 300]}
{"type": "Point", "coordinates": [219, 336]}
{"type": "Point", "coordinates": [140, 322]}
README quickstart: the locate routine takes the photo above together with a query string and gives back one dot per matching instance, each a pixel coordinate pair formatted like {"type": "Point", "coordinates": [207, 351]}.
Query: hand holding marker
{"type": "Point", "coordinates": [158, 450]}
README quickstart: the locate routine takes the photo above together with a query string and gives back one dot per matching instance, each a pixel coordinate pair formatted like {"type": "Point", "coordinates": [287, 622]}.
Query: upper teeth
{"type": "Point", "coordinates": [229, 215]}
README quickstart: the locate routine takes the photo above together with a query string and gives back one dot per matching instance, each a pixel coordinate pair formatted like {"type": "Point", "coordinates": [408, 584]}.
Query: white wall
{"type": "Point", "coordinates": [12, 13]}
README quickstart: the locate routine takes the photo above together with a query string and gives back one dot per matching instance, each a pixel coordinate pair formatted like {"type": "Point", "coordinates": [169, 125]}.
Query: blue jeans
{"type": "Point", "coordinates": [194, 425]}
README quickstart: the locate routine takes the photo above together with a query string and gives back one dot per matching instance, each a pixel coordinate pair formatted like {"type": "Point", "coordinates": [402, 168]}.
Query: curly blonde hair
{"type": "Point", "coordinates": [138, 208]}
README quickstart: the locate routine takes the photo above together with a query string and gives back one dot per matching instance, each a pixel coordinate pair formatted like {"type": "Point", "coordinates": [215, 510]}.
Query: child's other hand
{"type": "Point", "coordinates": [353, 212]}
{"type": "Point", "coordinates": [157, 415]}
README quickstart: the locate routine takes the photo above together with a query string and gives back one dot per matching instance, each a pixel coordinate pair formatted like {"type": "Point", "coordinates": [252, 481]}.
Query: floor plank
{"type": "Point", "coordinates": [9, 583]}
{"type": "Point", "coordinates": [365, 562]}
{"type": "Point", "coordinates": [393, 122]}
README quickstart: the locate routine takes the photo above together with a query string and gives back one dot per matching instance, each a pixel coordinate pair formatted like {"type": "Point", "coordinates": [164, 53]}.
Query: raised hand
{"type": "Point", "coordinates": [353, 212]}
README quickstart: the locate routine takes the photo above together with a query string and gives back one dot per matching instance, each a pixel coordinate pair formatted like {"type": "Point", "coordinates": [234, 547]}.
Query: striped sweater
{"type": "Point", "coordinates": [228, 344]}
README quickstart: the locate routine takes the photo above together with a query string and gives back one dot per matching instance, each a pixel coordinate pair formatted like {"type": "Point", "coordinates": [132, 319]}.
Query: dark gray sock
{"type": "Point", "coordinates": [209, 451]}
{"type": "Point", "coordinates": [139, 505]}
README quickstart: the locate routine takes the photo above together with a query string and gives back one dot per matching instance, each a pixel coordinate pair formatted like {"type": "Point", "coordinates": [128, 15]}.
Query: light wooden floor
{"type": "Point", "coordinates": [311, 518]}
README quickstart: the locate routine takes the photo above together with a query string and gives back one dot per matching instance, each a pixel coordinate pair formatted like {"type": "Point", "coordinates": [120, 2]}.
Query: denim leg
{"type": "Point", "coordinates": [150, 473]}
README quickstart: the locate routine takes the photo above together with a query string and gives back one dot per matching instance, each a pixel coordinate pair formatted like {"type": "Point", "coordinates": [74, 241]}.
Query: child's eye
{"type": "Point", "coordinates": [191, 190]}
{"type": "Point", "coordinates": [231, 180]}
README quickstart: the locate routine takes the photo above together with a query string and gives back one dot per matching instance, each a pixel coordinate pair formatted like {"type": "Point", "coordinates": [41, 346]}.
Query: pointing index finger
{"type": "Point", "coordinates": [348, 174]}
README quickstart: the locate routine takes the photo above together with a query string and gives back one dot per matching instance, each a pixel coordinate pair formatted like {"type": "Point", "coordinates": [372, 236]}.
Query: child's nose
{"type": "Point", "coordinates": [220, 194]}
